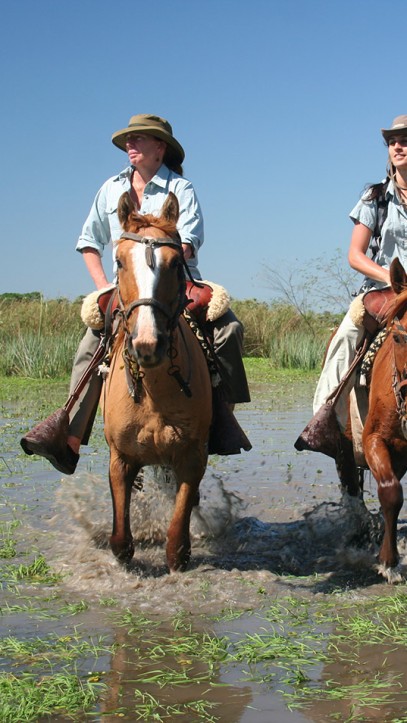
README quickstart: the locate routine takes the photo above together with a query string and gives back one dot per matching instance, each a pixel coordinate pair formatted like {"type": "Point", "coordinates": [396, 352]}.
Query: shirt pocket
{"type": "Point", "coordinates": [113, 221]}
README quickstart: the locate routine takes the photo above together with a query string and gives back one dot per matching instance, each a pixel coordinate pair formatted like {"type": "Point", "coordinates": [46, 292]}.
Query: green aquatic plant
{"type": "Point", "coordinates": [27, 697]}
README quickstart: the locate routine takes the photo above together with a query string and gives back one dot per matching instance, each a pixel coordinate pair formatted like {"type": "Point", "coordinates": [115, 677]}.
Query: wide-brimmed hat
{"type": "Point", "coordinates": [399, 125]}
{"type": "Point", "coordinates": [153, 125]}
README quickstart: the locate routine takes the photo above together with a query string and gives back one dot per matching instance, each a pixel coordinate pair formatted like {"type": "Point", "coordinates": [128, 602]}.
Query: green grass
{"type": "Point", "coordinates": [290, 650]}
{"type": "Point", "coordinates": [37, 572]}
{"type": "Point", "coordinates": [27, 697]}
{"type": "Point", "coordinates": [45, 335]}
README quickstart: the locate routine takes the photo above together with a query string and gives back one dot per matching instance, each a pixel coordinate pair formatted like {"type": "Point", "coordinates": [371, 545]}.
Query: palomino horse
{"type": "Point", "coordinates": [385, 429]}
{"type": "Point", "coordinates": [158, 402]}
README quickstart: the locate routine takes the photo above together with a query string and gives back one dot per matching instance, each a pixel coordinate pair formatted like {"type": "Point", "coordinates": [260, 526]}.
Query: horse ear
{"type": "Point", "coordinates": [170, 210]}
{"type": "Point", "coordinates": [124, 208]}
{"type": "Point", "coordinates": [398, 276]}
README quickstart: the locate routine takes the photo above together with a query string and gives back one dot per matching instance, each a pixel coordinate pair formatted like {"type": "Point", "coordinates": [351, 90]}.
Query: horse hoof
{"type": "Point", "coordinates": [392, 575]}
{"type": "Point", "coordinates": [178, 565]}
{"type": "Point", "coordinates": [122, 554]}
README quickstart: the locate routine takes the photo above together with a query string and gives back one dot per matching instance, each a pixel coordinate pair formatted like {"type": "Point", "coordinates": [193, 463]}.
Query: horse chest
{"type": "Point", "coordinates": [160, 436]}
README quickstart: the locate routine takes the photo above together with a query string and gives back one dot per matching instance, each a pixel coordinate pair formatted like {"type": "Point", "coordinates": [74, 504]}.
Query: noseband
{"type": "Point", "coordinates": [151, 244]}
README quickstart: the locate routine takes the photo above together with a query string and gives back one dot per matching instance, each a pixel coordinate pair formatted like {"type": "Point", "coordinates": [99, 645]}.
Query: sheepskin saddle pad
{"type": "Point", "coordinates": [206, 301]}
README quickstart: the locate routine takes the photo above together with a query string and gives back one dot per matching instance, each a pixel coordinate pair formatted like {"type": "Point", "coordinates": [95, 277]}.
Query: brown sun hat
{"type": "Point", "coordinates": [153, 125]}
{"type": "Point", "coordinates": [399, 125]}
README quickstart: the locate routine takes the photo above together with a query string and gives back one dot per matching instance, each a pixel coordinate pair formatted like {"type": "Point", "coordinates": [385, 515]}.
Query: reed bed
{"type": "Point", "coordinates": [280, 333]}
{"type": "Point", "coordinates": [39, 337]}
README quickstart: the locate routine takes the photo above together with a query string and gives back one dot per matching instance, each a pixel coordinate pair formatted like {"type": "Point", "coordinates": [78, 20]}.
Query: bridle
{"type": "Point", "coordinates": [132, 368]}
{"type": "Point", "coordinates": [151, 244]}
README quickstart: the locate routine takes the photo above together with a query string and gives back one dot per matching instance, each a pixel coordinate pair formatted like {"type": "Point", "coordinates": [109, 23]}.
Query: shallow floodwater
{"type": "Point", "coordinates": [271, 523]}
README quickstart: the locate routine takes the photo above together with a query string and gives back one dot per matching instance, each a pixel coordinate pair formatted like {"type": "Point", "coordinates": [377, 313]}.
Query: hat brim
{"type": "Point", "coordinates": [389, 132]}
{"type": "Point", "coordinates": [119, 140]}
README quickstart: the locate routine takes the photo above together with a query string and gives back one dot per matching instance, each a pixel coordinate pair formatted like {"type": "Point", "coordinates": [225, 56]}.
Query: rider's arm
{"type": "Point", "coordinates": [357, 258]}
{"type": "Point", "coordinates": [94, 265]}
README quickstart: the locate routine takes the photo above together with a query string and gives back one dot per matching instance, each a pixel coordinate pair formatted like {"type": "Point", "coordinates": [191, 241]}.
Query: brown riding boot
{"type": "Point", "coordinates": [49, 439]}
{"type": "Point", "coordinates": [226, 435]}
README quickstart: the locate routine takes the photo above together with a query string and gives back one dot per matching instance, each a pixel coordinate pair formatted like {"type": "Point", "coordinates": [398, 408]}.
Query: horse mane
{"type": "Point", "coordinates": [137, 221]}
{"type": "Point", "coordinates": [397, 308]}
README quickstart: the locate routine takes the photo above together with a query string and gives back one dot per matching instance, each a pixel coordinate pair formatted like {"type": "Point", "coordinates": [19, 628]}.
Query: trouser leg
{"type": "Point", "coordinates": [339, 356]}
{"type": "Point", "coordinates": [83, 413]}
{"type": "Point", "coordinates": [228, 344]}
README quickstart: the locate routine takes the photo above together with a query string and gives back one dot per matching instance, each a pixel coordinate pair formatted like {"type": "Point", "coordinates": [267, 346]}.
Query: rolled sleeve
{"type": "Point", "coordinates": [365, 212]}
{"type": "Point", "coordinates": [190, 223]}
{"type": "Point", "coordinates": [96, 232]}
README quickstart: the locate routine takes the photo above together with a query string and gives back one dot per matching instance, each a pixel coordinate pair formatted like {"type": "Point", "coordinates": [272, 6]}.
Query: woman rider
{"type": "Point", "coordinates": [393, 243]}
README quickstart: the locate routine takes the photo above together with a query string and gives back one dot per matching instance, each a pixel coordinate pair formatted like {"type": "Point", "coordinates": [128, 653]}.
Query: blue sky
{"type": "Point", "coordinates": [278, 105]}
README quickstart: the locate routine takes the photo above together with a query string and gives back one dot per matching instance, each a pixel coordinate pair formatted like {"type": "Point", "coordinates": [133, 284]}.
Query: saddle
{"type": "Point", "coordinates": [370, 309]}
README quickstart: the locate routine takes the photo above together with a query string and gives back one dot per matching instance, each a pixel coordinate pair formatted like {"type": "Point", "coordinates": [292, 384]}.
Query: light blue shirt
{"type": "Point", "coordinates": [394, 232]}
{"type": "Point", "coordinates": [103, 227]}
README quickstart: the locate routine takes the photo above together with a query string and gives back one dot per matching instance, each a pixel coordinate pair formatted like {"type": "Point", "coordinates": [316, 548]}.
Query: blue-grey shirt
{"type": "Point", "coordinates": [394, 232]}
{"type": "Point", "coordinates": [103, 227]}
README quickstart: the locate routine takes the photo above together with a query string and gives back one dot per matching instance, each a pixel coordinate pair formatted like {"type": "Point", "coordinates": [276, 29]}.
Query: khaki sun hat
{"type": "Point", "coordinates": [399, 125]}
{"type": "Point", "coordinates": [153, 125]}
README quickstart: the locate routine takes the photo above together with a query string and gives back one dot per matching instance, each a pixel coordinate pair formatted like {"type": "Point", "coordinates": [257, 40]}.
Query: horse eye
{"type": "Point", "coordinates": [119, 263]}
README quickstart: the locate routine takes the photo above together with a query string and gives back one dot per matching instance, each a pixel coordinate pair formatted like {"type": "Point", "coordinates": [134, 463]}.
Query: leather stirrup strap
{"type": "Point", "coordinates": [97, 357]}
{"type": "Point", "coordinates": [94, 362]}
{"type": "Point", "coordinates": [334, 396]}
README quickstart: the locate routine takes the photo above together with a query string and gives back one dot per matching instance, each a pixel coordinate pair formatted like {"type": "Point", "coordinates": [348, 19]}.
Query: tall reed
{"type": "Point", "coordinates": [39, 337]}
{"type": "Point", "coordinates": [277, 331]}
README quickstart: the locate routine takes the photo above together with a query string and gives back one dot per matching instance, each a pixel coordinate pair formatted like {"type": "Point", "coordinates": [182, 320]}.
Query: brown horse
{"type": "Point", "coordinates": [385, 429]}
{"type": "Point", "coordinates": [157, 401]}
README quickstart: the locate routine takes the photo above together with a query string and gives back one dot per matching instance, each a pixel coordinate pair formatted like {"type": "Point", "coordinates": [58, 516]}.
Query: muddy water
{"type": "Point", "coordinates": [271, 523]}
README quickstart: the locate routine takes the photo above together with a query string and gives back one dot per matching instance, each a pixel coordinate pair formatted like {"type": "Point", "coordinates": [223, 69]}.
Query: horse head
{"type": "Point", "coordinates": [150, 278]}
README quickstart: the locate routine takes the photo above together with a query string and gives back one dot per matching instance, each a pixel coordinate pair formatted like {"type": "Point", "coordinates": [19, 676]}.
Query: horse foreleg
{"type": "Point", "coordinates": [178, 539]}
{"type": "Point", "coordinates": [346, 468]}
{"type": "Point", "coordinates": [121, 479]}
{"type": "Point", "coordinates": [189, 473]}
{"type": "Point", "coordinates": [390, 496]}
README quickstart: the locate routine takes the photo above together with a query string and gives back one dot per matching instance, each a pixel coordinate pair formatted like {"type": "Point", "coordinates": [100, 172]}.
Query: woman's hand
{"type": "Point", "coordinates": [188, 251]}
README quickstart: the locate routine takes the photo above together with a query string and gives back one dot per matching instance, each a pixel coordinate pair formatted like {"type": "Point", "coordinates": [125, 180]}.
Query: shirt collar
{"type": "Point", "coordinates": [160, 178]}
{"type": "Point", "coordinates": [390, 188]}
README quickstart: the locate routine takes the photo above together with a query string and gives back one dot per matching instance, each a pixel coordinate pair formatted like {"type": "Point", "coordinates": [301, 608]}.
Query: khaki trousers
{"type": "Point", "coordinates": [339, 357]}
